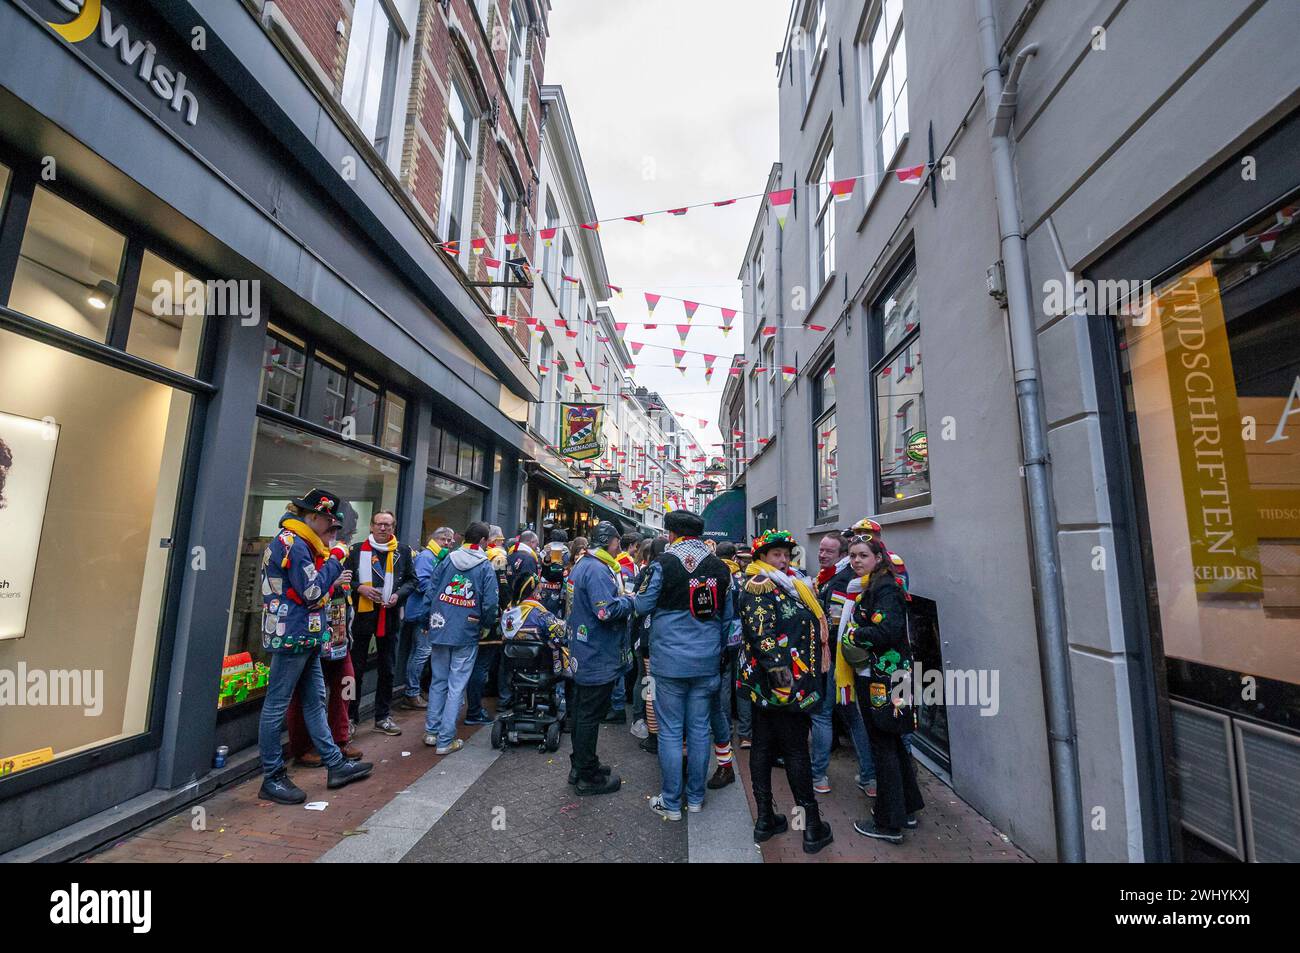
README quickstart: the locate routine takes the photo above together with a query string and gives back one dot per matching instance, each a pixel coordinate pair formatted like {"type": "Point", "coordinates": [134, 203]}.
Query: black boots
{"type": "Point", "coordinates": [769, 823]}
{"type": "Point", "coordinates": [280, 789]}
{"type": "Point", "coordinates": [604, 769]}
{"type": "Point", "coordinates": [816, 832]}
{"type": "Point", "coordinates": [726, 774]}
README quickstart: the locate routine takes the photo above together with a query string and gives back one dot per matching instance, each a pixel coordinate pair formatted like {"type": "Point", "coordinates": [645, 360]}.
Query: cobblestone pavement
{"type": "Point", "coordinates": [951, 830]}
{"type": "Point", "coordinates": [237, 827]}
{"type": "Point", "coordinates": [540, 819]}
{"type": "Point", "coordinates": [543, 819]}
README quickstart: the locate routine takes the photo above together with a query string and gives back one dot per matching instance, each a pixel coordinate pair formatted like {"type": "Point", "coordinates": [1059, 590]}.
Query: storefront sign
{"type": "Point", "coordinates": [91, 17]}
{"type": "Point", "coordinates": [580, 430]}
{"type": "Point", "coordinates": [26, 461]}
{"type": "Point", "coordinates": [1212, 458]}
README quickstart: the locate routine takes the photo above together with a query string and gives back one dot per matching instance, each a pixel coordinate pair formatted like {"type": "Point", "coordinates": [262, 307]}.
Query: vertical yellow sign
{"type": "Point", "coordinates": [1211, 456]}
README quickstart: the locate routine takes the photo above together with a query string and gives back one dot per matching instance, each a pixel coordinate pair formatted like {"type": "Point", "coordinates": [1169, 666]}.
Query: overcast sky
{"type": "Point", "coordinates": [673, 103]}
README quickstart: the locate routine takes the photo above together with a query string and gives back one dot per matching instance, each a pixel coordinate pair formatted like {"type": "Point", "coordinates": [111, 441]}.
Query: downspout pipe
{"type": "Point", "coordinates": [1054, 654]}
{"type": "Point", "coordinates": [778, 378]}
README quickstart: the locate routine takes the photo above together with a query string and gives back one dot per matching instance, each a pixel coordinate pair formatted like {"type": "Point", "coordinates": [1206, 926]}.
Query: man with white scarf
{"type": "Point", "coordinates": [384, 576]}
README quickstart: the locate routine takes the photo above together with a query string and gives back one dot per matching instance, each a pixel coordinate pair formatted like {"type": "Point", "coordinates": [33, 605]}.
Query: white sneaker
{"type": "Point", "coordinates": [431, 740]}
{"type": "Point", "coordinates": [453, 747]}
{"type": "Point", "coordinates": [695, 808]}
{"type": "Point", "coordinates": [657, 805]}
{"type": "Point", "coordinates": [639, 729]}
{"type": "Point", "coordinates": [822, 786]}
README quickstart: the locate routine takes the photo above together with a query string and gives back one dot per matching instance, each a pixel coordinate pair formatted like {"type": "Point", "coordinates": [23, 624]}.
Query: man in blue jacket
{"type": "Point", "coordinates": [298, 572]}
{"type": "Point", "coordinates": [415, 630]}
{"type": "Point", "coordinates": [462, 596]}
{"type": "Point", "coordinates": [598, 644]}
{"type": "Point", "coordinates": [688, 595]}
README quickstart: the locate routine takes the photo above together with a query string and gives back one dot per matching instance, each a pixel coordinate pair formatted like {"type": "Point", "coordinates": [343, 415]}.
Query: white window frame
{"type": "Point", "coordinates": [549, 255]}
{"type": "Point", "coordinates": [507, 195]}
{"type": "Point", "coordinates": [466, 140]}
{"type": "Point", "coordinates": [822, 220]}
{"type": "Point", "coordinates": [566, 287]}
{"type": "Point", "coordinates": [879, 68]}
{"type": "Point", "coordinates": [516, 55]}
{"type": "Point", "coordinates": [815, 40]}
{"type": "Point", "coordinates": [357, 78]}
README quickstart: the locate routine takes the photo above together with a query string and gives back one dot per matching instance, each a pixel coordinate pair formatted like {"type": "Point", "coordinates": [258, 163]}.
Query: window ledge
{"type": "Point", "coordinates": [817, 299]}
{"type": "Point", "coordinates": [909, 515]}
{"type": "Point", "coordinates": [825, 527]}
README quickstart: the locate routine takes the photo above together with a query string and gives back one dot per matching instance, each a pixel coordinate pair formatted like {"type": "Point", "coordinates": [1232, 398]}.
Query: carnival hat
{"type": "Point", "coordinates": [770, 539]}
{"type": "Point", "coordinates": [865, 527]}
{"type": "Point", "coordinates": [320, 501]}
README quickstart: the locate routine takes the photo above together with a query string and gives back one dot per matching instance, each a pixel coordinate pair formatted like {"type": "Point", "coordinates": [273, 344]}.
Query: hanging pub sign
{"type": "Point", "coordinates": [580, 430]}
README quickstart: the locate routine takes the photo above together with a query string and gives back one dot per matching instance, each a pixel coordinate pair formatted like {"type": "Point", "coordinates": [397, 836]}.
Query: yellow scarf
{"type": "Point", "coordinates": [845, 678]}
{"type": "Point", "coordinates": [603, 555]}
{"type": "Point", "coordinates": [773, 577]}
{"type": "Point", "coordinates": [732, 565]}
{"type": "Point", "coordinates": [301, 529]}
{"type": "Point", "coordinates": [364, 604]}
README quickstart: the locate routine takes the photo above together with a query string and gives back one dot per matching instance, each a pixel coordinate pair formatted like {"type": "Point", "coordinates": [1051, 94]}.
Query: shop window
{"type": "Point", "coordinates": [394, 422]}
{"type": "Point", "coordinates": [902, 445]}
{"type": "Point", "coordinates": [518, 47]}
{"type": "Point", "coordinates": [449, 503]}
{"type": "Point", "coordinates": [327, 401]}
{"type": "Point", "coordinates": [826, 441]}
{"type": "Point", "coordinates": [69, 267]}
{"type": "Point", "coordinates": [4, 184]}
{"type": "Point", "coordinates": [85, 564]}
{"type": "Point", "coordinates": [169, 314]}
{"type": "Point", "coordinates": [449, 458]}
{"type": "Point", "coordinates": [283, 367]}
{"type": "Point", "coordinates": [363, 408]}
{"type": "Point", "coordinates": [287, 462]}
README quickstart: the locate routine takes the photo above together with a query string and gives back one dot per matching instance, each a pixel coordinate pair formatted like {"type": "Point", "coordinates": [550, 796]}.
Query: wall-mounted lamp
{"type": "Point", "coordinates": [102, 294]}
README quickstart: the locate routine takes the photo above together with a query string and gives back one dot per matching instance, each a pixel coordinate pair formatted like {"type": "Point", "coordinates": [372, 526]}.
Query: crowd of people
{"type": "Point", "coordinates": [706, 643]}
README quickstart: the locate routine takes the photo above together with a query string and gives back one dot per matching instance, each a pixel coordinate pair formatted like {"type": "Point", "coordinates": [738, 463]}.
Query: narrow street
{"type": "Point", "coordinates": [485, 806]}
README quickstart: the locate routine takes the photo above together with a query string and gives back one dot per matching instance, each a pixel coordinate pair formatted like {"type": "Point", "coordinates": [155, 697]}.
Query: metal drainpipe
{"type": "Point", "coordinates": [783, 487]}
{"type": "Point", "coordinates": [1054, 653]}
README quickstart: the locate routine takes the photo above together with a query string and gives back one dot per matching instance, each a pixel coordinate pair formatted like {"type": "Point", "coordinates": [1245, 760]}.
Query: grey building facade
{"type": "Point", "coordinates": [1151, 152]}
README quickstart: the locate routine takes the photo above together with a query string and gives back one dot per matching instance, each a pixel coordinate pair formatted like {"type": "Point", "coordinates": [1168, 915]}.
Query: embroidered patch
{"type": "Point", "coordinates": [459, 592]}
{"type": "Point", "coordinates": [436, 621]}
{"type": "Point", "coordinates": [313, 622]}
{"type": "Point", "coordinates": [582, 633]}
{"type": "Point", "coordinates": [876, 617]}
{"type": "Point", "coordinates": [879, 694]}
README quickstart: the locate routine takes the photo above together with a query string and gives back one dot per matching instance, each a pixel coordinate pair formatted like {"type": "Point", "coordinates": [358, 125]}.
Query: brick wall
{"type": "Point", "coordinates": [317, 23]}
{"type": "Point", "coordinates": [420, 169]}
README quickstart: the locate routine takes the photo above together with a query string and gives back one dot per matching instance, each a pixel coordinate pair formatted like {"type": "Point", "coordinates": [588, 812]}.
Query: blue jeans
{"type": "Point", "coordinates": [452, 666]}
{"type": "Point", "coordinates": [290, 673]}
{"type": "Point", "coordinates": [420, 651]}
{"type": "Point", "coordinates": [720, 716]}
{"type": "Point", "coordinates": [684, 705]}
{"type": "Point", "coordinates": [618, 697]}
{"type": "Point", "coordinates": [823, 732]}
{"type": "Point", "coordinates": [478, 681]}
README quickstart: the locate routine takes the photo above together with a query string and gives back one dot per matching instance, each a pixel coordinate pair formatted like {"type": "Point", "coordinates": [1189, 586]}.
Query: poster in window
{"type": "Point", "coordinates": [580, 430]}
{"type": "Point", "coordinates": [26, 462]}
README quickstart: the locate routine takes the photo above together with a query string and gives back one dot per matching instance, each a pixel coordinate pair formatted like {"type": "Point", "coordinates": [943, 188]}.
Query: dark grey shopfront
{"type": "Point", "coordinates": [340, 353]}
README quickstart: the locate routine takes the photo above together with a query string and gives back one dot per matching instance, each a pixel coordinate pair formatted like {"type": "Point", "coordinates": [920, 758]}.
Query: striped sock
{"type": "Point", "coordinates": [723, 754]}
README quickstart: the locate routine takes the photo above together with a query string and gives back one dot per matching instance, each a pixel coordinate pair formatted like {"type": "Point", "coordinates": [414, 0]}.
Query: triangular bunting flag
{"type": "Point", "coordinates": [724, 202]}
{"type": "Point", "coordinates": [677, 211]}
{"type": "Point", "coordinates": [547, 236]}
{"type": "Point", "coordinates": [616, 289]}
{"type": "Point", "coordinates": [639, 219]}
{"type": "Point", "coordinates": [512, 241]}
{"type": "Point", "coordinates": [682, 331]}
{"type": "Point", "coordinates": [912, 174]}
{"type": "Point", "coordinates": [788, 373]}
{"type": "Point", "coordinates": [620, 326]}
{"type": "Point", "coordinates": [780, 200]}
{"type": "Point", "coordinates": [650, 301]}
{"type": "Point", "coordinates": [842, 189]}
{"type": "Point", "coordinates": [691, 307]}
{"type": "Point", "coordinates": [768, 332]}
{"type": "Point", "coordinates": [491, 262]}
{"type": "Point", "coordinates": [593, 226]}
{"type": "Point", "coordinates": [477, 245]}
{"type": "Point", "coordinates": [636, 346]}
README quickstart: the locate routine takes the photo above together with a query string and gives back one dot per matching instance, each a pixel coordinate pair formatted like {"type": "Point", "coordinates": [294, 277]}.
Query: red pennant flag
{"type": "Point", "coordinates": [492, 262]}
{"type": "Point", "coordinates": [734, 371]}
{"type": "Point", "coordinates": [650, 301]}
{"type": "Point", "coordinates": [477, 245]}
{"type": "Point", "coordinates": [560, 323]}
{"type": "Point", "coordinates": [690, 307]}
{"type": "Point", "coordinates": [505, 321]}
{"type": "Point", "coordinates": [571, 278]}
{"type": "Point", "coordinates": [769, 332]}
{"type": "Point", "coordinates": [708, 375]}
{"type": "Point", "coordinates": [602, 339]}
{"type": "Point", "coordinates": [580, 365]}
{"type": "Point", "coordinates": [543, 369]}
{"type": "Point", "coordinates": [593, 226]}
{"type": "Point", "coordinates": [547, 235]}
{"type": "Point", "coordinates": [788, 373]}
{"type": "Point", "coordinates": [572, 334]}
{"type": "Point", "coordinates": [677, 211]}
{"type": "Point", "coordinates": [639, 219]}
{"type": "Point", "coordinates": [912, 174]}
{"type": "Point", "coordinates": [780, 200]}
{"type": "Point", "coordinates": [568, 378]}
{"type": "Point", "coordinates": [831, 371]}
{"type": "Point", "coordinates": [530, 321]}
{"type": "Point", "coordinates": [843, 188]}
{"type": "Point", "coordinates": [629, 366]}
{"type": "Point", "coordinates": [451, 248]}
{"type": "Point", "coordinates": [620, 326]}
{"type": "Point", "coordinates": [678, 354]}
{"type": "Point", "coordinates": [724, 202]}
{"type": "Point", "coordinates": [682, 331]}
{"type": "Point", "coordinates": [816, 327]}
{"type": "Point", "coordinates": [636, 346]}
{"type": "Point", "coordinates": [616, 289]}
{"type": "Point", "coordinates": [512, 240]}
{"type": "Point", "coordinates": [649, 327]}
{"type": "Point", "coordinates": [708, 362]}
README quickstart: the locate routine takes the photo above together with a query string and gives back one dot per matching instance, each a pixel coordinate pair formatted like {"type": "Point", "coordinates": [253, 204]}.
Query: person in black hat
{"type": "Point", "coordinates": [298, 574]}
{"type": "Point", "coordinates": [598, 642]}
